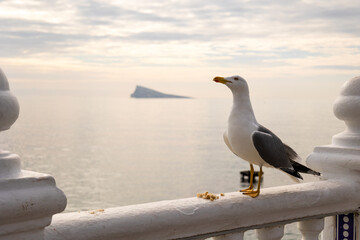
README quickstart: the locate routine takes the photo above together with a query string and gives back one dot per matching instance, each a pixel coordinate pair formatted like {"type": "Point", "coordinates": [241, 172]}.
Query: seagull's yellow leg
{"type": "Point", "coordinates": [251, 187]}
{"type": "Point", "coordinates": [255, 193]}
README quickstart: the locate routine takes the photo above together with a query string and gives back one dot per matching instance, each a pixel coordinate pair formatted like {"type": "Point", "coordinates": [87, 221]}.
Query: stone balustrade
{"type": "Point", "coordinates": [226, 218]}
{"type": "Point", "coordinates": [30, 201]}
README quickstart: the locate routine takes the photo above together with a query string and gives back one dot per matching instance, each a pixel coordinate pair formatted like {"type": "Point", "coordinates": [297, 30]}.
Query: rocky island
{"type": "Point", "coordinates": [143, 92]}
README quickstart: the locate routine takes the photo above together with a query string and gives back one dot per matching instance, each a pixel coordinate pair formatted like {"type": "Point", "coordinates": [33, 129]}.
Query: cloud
{"type": "Point", "coordinates": [165, 36]}
{"type": "Point", "coordinates": [105, 13]}
{"type": "Point", "coordinates": [197, 33]}
{"type": "Point", "coordinates": [17, 43]}
{"type": "Point", "coordinates": [338, 67]}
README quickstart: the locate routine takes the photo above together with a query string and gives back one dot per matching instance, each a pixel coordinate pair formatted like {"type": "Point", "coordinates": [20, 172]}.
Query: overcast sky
{"type": "Point", "coordinates": [179, 39]}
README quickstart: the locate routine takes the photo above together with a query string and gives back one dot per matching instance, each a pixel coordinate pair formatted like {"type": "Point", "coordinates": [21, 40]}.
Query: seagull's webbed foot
{"type": "Point", "coordinates": [254, 193]}
{"type": "Point", "coordinates": [246, 190]}
{"type": "Point", "coordinates": [251, 177]}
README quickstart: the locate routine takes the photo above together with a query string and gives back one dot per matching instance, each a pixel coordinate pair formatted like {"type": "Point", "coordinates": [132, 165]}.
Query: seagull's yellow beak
{"type": "Point", "coordinates": [220, 80]}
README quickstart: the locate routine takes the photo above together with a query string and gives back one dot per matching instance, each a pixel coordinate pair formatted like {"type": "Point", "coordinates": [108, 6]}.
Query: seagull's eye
{"type": "Point", "coordinates": [236, 78]}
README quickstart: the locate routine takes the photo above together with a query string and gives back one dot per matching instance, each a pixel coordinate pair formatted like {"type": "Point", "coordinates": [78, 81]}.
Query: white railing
{"type": "Point", "coordinates": [195, 218]}
{"type": "Point", "coordinates": [29, 200]}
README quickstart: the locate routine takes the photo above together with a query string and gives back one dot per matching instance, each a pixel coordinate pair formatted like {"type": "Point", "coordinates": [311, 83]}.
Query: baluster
{"type": "Point", "coordinates": [271, 233]}
{"type": "Point", "coordinates": [231, 236]}
{"type": "Point", "coordinates": [329, 231]}
{"type": "Point", "coordinates": [28, 199]}
{"type": "Point", "coordinates": [310, 229]}
{"type": "Point", "coordinates": [341, 159]}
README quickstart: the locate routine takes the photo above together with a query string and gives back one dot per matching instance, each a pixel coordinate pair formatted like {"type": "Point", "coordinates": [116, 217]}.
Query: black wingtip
{"type": "Point", "coordinates": [292, 172]}
{"type": "Point", "coordinates": [303, 169]}
{"type": "Point", "coordinates": [313, 172]}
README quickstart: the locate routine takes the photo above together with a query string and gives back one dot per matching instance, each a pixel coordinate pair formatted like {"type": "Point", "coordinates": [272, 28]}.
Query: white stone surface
{"type": "Point", "coordinates": [27, 200]}
{"type": "Point", "coordinates": [10, 165]}
{"type": "Point", "coordinates": [193, 217]}
{"type": "Point", "coordinates": [271, 233]}
{"type": "Point", "coordinates": [329, 228]}
{"type": "Point", "coordinates": [311, 229]}
{"type": "Point", "coordinates": [341, 159]}
{"type": "Point", "coordinates": [9, 106]}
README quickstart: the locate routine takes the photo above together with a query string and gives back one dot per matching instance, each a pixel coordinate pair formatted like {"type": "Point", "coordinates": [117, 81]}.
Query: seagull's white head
{"type": "Point", "coordinates": [235, 83]}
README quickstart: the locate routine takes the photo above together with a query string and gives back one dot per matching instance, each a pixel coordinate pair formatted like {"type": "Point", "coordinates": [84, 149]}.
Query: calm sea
{"type": "Point", "coordinates": [107, 150]}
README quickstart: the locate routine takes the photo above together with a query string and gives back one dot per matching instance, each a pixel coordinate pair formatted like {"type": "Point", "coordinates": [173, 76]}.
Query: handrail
{"type": "Point", "coordinates": [194, 218]}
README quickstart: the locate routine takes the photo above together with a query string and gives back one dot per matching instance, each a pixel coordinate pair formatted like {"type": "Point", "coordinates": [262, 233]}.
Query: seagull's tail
{"type": "Point", "coordinates": [303, 169]}
{"type": "Point", "coordinates": [292, 155]}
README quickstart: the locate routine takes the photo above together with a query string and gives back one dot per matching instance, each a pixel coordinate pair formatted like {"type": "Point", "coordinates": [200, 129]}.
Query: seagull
{"type": "Point", "coordinates": [252, 142]}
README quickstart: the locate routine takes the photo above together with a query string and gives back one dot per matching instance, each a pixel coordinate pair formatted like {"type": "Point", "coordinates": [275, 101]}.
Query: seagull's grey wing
{"type": "Point", "coordinates": [226, 140]}
{"type": "Point", "coordinates": [272, 150]}
{"type": "Point", "coordinates": [292, 155]}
